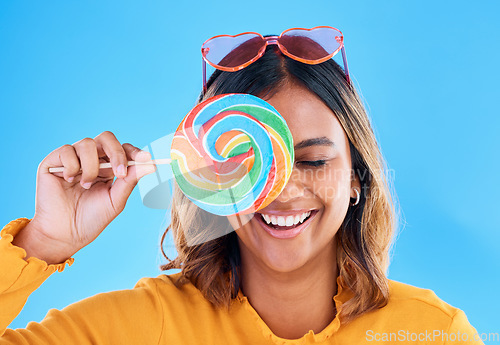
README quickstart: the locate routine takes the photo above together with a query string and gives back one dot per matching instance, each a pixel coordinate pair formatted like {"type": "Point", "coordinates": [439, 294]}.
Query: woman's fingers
{"type": "Point", "coordinates": [64, 156]}
{"type": "Point", "coordinates": [135, 153]}
{"type": "Point", "coordinates": [86, 150]}
{"type": "Point", "coordinates": [83, 158]}
{"type": "Point", "coordinates": [105, 173]}
{"type": "Point", "coordinates": [70, 162]}
{"type": "Point", "coordinates": [108, 145]}
{"type": "Point", "coordinates": [122, 188]}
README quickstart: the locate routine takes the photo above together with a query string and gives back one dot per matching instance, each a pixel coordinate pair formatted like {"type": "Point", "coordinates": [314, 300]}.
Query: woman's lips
{"type": "Point", "coordinates": [287, 231]}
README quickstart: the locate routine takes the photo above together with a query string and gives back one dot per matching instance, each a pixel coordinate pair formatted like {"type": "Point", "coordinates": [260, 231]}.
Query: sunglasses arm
{"type": "Point", "coordinates": [204, 67]}
{"type": "Point", "coordinates": [346, 69]}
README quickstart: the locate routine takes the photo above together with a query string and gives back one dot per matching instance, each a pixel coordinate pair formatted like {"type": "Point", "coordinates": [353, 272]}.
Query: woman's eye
{"type": "Point", "coordinates": [313, 163]}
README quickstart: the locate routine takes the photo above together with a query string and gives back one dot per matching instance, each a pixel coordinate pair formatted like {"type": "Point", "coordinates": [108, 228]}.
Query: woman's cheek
{"type": "Point", "coordinates": [332, 185]}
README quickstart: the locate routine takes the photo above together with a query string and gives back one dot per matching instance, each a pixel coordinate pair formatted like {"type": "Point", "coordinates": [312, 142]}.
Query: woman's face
{"type": "Point", "coordinates": [319, 188]}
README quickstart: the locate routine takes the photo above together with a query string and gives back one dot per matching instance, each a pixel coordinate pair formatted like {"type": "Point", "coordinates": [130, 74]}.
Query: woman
{"type": "Point", "coordinates": [308, 268]}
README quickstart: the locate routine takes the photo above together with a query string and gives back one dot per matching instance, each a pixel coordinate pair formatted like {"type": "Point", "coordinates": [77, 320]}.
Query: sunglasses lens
{"type": "Point", "coordinates": [229, 51]}
{"type": "Point", "coordinates": [313, 44]}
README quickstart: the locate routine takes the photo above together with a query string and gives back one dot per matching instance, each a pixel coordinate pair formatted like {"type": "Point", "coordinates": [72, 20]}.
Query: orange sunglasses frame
{"type": "Point", "coordinates": [275, 40]}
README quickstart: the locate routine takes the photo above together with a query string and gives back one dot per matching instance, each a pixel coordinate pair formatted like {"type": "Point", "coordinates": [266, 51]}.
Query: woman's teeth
{"type": "Point", "coordinates": [285, 221]}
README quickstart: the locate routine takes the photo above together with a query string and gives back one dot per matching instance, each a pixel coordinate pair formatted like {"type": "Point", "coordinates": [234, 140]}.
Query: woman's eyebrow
{"type": "Point", "coordinates": [323, 141]}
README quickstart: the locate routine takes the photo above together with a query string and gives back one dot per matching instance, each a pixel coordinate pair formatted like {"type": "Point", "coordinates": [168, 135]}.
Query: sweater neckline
{"type": "Point", "coordinates": [343, 294]}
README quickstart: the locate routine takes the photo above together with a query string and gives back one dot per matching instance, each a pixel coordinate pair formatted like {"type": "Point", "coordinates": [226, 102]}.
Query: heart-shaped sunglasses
{"type": "Point", "coordinates": [311, 46]}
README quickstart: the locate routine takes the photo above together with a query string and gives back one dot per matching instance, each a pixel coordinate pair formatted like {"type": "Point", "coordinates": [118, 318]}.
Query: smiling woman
{"type": "Point", "coordinates": [316, 257]}
{"type": "Point", "coordinates": [310, 267]}
{"type": "Point", "coordinates": [325, 236]}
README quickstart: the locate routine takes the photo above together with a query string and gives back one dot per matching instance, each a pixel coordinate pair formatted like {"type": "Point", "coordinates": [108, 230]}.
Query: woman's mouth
{"type": "Point", "coordinates": [287, 225]}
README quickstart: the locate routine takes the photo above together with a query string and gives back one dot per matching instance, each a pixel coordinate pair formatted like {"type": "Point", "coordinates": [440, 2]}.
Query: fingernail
{"type": "Point", "coordinates": [70, 179]}
{"type": "Point", "coordinates": [87, 185]}
{"type": "Point", "coordinates": [121, 170]}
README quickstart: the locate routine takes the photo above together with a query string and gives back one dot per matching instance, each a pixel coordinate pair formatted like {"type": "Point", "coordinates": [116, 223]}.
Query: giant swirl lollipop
{"type": "Point", "coordinates": [232, 153]}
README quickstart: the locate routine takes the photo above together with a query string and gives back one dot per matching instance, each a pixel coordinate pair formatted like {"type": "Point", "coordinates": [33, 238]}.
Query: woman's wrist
{"type": "Point", "coordinates": [36, 245]}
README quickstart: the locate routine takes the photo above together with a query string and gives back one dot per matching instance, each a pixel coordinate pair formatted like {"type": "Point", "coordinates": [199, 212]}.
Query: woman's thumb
{"type": "Point", "coordinates": [123, 187]}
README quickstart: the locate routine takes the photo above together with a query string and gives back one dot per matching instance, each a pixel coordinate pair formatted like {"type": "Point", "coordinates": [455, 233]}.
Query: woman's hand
{"type": "Point", "coordinates": [74, 207]}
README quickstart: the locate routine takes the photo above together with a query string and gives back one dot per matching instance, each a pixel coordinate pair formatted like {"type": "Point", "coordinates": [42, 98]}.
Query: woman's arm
{"type": "Point", "coordinates": [19, 278]}
{"type": "Point", "coordinates": [121, 317]}
{"type": "Point", "coordinates": [72, 208]}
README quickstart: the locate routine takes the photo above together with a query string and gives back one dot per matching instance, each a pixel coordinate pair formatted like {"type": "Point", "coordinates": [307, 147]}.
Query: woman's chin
{"type": "Point", "coordinates": [283, 262]}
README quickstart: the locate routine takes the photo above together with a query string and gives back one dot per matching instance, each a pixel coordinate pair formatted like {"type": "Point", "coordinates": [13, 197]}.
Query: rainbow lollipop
{"type": "Point", "coordinates": [232, 154]}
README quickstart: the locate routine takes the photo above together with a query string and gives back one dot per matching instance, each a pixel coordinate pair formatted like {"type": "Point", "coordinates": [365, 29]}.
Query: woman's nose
{"type": "Point", "coordinates": [293, 189]}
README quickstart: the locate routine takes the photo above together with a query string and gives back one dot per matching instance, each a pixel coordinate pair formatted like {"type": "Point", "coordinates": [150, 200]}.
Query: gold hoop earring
{"type": "Point", "coordinates": [357, 197]}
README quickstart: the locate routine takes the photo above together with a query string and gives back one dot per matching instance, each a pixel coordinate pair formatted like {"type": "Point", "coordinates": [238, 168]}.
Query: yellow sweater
{"type": "Point", "coordinates": [157, 312]}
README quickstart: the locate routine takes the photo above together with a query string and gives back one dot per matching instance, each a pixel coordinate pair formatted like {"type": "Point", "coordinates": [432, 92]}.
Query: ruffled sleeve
{"type": "Point", "coordinates": [123, 317]}
{"type": "Point", "coordinates": [19, 277]}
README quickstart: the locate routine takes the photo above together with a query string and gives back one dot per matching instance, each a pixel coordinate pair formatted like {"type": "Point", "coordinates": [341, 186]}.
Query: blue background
{"type": "Point", "coordinates": [428, 72]}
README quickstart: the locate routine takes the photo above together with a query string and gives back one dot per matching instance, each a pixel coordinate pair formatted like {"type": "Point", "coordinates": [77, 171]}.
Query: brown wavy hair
{"type": "Point", "coordinates": [207, 246]}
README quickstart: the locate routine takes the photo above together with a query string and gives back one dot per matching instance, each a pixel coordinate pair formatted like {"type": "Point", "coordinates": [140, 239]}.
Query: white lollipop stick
{"type": "Point", "coordinates": [129, 163]}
